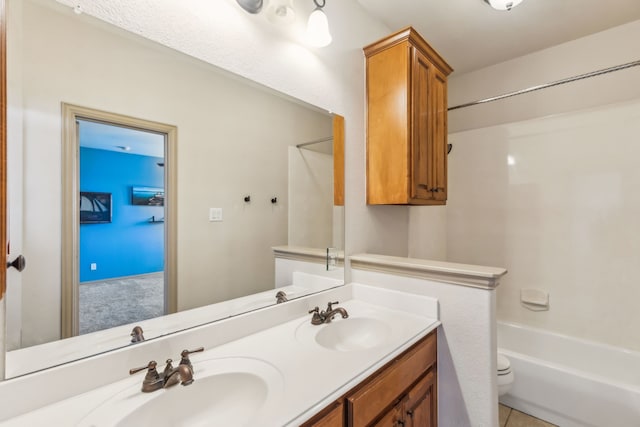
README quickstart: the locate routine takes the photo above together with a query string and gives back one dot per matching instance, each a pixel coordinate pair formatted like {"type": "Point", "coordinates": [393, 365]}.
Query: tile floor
{"type": "Point", "coordinates": [513, 418]}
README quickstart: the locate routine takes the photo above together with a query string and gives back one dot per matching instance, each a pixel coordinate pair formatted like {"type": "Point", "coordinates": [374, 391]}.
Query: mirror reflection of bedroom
{"type": "Point", "coordinates": [121, 230]}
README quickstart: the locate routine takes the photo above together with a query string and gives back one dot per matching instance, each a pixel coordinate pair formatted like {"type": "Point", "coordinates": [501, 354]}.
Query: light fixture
{"type": "Point", "coordinates": [281, 12]}
{"type": "Point", "coordinates": [503, 4]}
{"type": "Point", "coordinates": [318, 27]}
{"type": "Point", "coordinates": [77, 10]}
{"type": "Point", "coordinates": [251, 6]}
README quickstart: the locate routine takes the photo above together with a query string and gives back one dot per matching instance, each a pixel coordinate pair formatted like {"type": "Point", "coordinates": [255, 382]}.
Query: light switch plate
{"type": "Point", "coordinates": [215, 214]}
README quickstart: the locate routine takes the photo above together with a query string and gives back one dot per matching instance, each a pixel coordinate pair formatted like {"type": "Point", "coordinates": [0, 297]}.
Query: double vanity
{"type": "Point", "coordinates": [270, 367]}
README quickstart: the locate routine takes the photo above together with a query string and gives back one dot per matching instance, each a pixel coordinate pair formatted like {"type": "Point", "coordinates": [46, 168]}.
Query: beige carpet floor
{"type": "Point", "coordinates": [116, 302]}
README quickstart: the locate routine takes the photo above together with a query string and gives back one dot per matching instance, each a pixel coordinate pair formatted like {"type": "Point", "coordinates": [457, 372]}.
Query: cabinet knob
{"type": "Point", "coordinates": [410, 414]}
{"type": "Point", "coordinates": [19, 263]}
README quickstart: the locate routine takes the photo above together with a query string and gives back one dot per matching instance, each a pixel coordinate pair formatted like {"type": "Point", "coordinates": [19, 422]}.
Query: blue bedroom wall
{"type": "Point", "coordinates": [129, 245]}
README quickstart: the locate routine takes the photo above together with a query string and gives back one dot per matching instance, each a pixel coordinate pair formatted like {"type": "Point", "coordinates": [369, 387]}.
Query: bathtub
{"type": "Point", "coordinates": [568, 381]}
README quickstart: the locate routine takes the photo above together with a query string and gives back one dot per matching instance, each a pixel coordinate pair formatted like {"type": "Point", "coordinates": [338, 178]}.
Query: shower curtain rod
{"type": "Point", "coordinates": [328, 138]}
{"type": "Point", "coordinates": [546, 85]}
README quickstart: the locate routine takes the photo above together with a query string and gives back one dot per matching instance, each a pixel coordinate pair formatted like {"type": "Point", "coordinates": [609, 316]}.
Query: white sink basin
{"type": "Point", "coordinates": [231, 391]}
{"type": "Point", "coordinates": [352, 334]}
{"type": "Point", "coordinates": [364, 329]}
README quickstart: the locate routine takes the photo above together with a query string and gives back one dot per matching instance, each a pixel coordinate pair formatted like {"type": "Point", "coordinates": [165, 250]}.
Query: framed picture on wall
{"type": "Point", "coordinates": [147, 196]}
{"type": "Point", "coordinates": [95, 208]}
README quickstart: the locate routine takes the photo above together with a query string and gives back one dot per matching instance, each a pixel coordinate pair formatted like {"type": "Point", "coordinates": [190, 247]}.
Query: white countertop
{"type": "Point", "coordinates": [30, 359]}
{"type": "Point", "coordinates": [305, 377]}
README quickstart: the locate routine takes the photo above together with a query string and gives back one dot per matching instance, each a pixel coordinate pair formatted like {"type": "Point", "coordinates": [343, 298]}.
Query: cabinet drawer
{"type": "Point", "coordinates": [366, 404]}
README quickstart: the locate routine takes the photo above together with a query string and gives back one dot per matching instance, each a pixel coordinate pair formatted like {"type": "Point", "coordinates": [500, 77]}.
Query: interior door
{"type": "Point", "coordinates": [11, 208]}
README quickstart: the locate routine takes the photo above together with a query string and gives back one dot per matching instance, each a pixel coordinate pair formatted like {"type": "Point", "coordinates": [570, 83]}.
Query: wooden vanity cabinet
{"type": "Point", "coordinates": [406, 121]}
{"type": "Point", "coordinates": [402, 393]}
{"type": "Point", "coordinates": [331, 416]}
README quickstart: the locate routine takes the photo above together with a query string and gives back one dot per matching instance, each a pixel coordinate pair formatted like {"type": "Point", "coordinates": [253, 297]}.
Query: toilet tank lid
{"type": "Point", "coordinates": [503, 363]}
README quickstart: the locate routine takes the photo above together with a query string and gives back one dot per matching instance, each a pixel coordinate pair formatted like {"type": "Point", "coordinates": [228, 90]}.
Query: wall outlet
{"type": "Point", "coordinates": [215, 214]}
{"type": "Point", "coordinates": [94, 266]}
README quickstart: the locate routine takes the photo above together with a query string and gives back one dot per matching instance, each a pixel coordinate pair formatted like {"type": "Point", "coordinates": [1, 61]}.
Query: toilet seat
{"type": "Point", "coordinates": [505, 376]}
{"type": "Point", "coordinates": [503, 363]}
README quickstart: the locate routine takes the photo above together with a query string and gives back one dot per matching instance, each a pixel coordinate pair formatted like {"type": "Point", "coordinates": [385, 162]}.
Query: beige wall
{"type": "Point", "coordinates": [562, 214]}
{"type": "Point", "coordinates": [332, 78]}
{"type": "Point", "coordinates": [230, 143]}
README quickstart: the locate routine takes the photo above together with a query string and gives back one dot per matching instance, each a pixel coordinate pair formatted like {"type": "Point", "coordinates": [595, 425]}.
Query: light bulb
{"type": "Point", "coordinates": [318, 29]}
{"type": "Point", "coordinates": [503, 4]}
{"type": "Point", "coordinates": [281, 12]}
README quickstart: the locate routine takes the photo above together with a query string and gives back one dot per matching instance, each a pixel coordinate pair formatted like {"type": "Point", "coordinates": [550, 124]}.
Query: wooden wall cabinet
{"type": "Point", "coordinates": [402, 393]}
{"type": "Point", "coordinates": [406, 121]}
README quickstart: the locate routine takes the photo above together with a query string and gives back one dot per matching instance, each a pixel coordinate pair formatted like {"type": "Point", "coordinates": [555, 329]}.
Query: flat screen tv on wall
{"type": "Point", "coordinates": [95, 208]}
{"type": "Point", "coordinates": [147, 196]}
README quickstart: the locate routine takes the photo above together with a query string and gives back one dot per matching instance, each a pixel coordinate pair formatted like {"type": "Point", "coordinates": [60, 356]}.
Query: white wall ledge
{"type": "Point", "coordinates": [475, 276]}
{"type": "Point", "coordinates": [301, 253]}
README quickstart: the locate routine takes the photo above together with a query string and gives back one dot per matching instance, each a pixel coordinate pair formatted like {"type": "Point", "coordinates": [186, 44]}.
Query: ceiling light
{"type": "Point", "coordinates": [503, 4]}
{"type": "Point", "coordinates": [318, 27]}
{"type": "Point", "coordinates": [77, 9]}
{"type": "Point", "coordinates": [251, 6]}
{"type": "Point", "coordinates": [281, 12]}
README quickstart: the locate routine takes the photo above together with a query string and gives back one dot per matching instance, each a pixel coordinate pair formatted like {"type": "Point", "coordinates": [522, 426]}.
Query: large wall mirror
{"type": "Point", "coordinates": [237, 170]}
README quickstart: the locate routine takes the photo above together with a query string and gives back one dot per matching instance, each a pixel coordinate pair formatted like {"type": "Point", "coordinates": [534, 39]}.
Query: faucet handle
{"type": "Point", "coordinates": [186, 353]}
{"type": "Point", "coordinates": [318, 317]}
{"type": "Point", "coordinates": [152, 380]}
{"type": "Point", "coordinates": [168, 368]}
{"type": "Point", "coordinates": [151, 370]}
{"type": "Point", "coordinates": [185, 356]}
{"type": "Point", "coordinates": [331, 304]}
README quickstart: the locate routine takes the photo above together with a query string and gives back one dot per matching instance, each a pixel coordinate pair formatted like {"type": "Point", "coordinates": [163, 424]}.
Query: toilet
{"type": "Point", "coordinates": [505, 376]}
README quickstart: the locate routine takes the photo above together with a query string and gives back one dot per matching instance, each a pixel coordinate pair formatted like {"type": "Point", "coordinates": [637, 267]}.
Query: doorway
{"type": "Point", "coordinates": [118, 220]}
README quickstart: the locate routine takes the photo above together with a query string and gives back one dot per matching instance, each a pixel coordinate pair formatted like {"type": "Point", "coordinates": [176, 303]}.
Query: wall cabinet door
{"type": "Point", "coordinates": [406, 121]}
{"type": "Point", "coordinates": [438, 142]}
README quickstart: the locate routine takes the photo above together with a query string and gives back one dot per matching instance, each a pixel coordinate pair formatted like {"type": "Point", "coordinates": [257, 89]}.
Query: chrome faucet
{"type": "Point", "coordinates": [281, 297]}
{"type": "Point", "coordinates": [326, 316]}
{"type": "Point", "coordinates": [170, 376]}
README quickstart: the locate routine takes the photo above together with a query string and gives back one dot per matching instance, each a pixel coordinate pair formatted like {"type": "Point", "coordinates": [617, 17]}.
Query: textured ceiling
{"type": "Point", "coordinates": [468, 33]}
{"type": "Point", "coordinates": [472, 35]}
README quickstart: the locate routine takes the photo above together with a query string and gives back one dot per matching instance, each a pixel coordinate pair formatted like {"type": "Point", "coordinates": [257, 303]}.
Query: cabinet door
{"type": "Point", "coordinates": [393, 418]}
{"type": "Point", "coordinates": [438, 138]}
{"type": "Point", "coordinates": [330, 417]}
{"type": "Point", "coordinates": [420, 403]}
{"type": "Point", "coordinates": [421, 174]}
